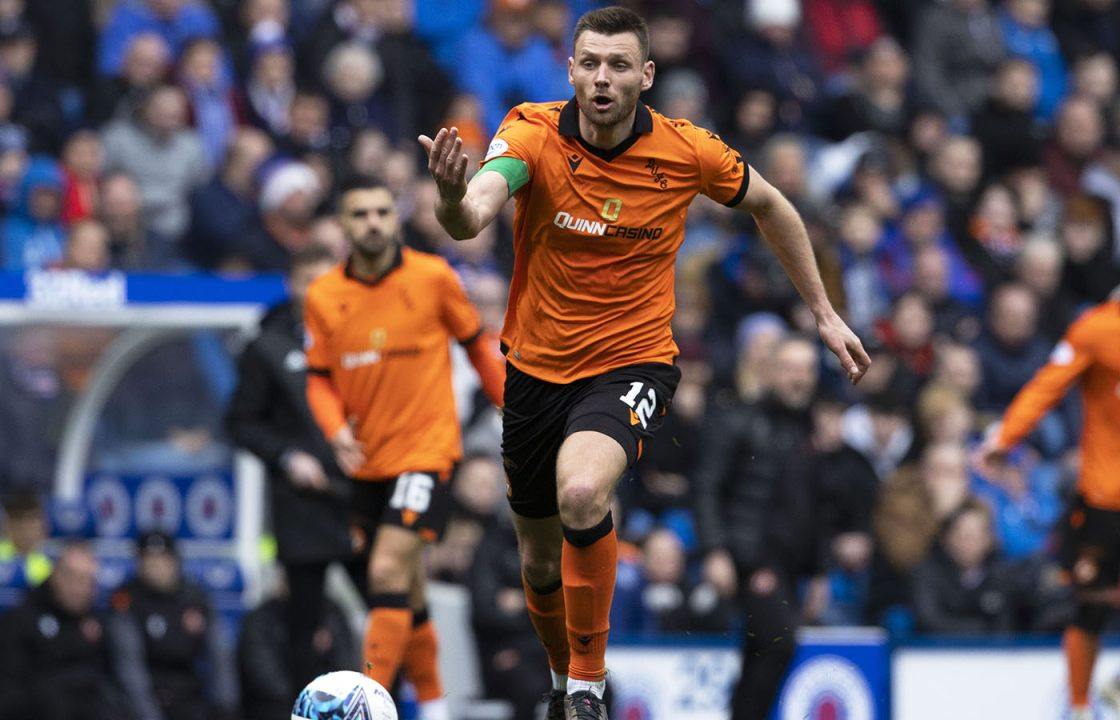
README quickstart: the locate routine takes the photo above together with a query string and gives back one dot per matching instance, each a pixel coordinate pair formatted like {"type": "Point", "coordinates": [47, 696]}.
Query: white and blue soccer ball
{"type": "Point", "coordinates": [344, 695]}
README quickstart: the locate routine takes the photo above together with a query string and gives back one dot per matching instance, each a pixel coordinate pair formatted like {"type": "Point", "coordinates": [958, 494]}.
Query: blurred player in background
{"type": "Point", "coordinates": [1089, 353]}
{"type": "Point", "coordinates": [602, 186]}
{"type": "Point", "coordinates": [379, 386]}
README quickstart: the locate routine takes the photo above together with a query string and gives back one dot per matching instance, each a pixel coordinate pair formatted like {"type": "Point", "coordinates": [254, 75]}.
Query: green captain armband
{"type": "Point", "coordinates": [515, 171]}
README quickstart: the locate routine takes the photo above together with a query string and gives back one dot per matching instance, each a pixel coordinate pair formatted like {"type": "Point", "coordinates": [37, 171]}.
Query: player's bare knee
{"type": "Point", "coordinates": [583, 501]}
{"type": "Point", "coordinates": [540, 569]}
{"type": "Point", "coordinates": [390, 574]}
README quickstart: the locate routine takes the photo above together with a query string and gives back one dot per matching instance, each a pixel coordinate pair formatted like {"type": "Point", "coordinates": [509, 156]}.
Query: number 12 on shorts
{"type": "Point", "coordinates": [413, 492]}
{"type": "Point", "coordinates": [642, 410]}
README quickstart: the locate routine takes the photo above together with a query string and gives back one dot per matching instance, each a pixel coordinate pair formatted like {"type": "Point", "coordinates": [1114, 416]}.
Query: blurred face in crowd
{"type": "Point", "coordinates": [945, 475]}
{"type": "Point", "coordinates": [250, 148]}
{"type": "Point", "coordinates": [26, 529]}
{"type": "Point", "coordinates": [927, 132]}
{"type": "Point", "coordinates": [12, 9]}
{"type": "Point", "coordinates": [73, 580]}
{"type": "Point", "coordinates": [511, 25]}
{"type": "Point", "coordinates": [87, 248]}
{"type": "Point", "coordinates": [785, 165]}
{"type": "Point", "coordinates": [997, 208]}
{"type": "Point", "coordinates": [1017, 85]}
{"type": "Point", "coordinates": [958, 367]}
{"type": "Point", "coordinates": [552, 19]}
{"type": "Point", "coordinates": [756, 113]}
{"type": "Point", "coordinates": [44, 203]}
{"type": "Point", "coordinates": [146, 61]}
{"type": "Point", "coordinates": [274, 69]}
{"type": "Point", "coordinates": [828, 426]}
{"type": "Point", "coordinates": [159, 569]}
{"type": "Point", "coordinates": [478, 485]}
{"type": "Point", "coordinates": [120, 204]}
{"type": "Point", "coordinates": [669, 38]}
{"type": "Point", "coordinates": [1014, 315]}
{"type": "Point", "coordinates": [353, 72]}
{"type": "Point", "coordinates": [608, 73]}
{"type": "Point", "coordinates": [923, 223]}
{"type": "Point", "coordinates": [301, 277]}
{"type": "Point", "coordinates": [886, 65]}
{"type": "Point", "coordinates": [931, 273]}
{"type": "Point", "coordinates": [969, 539]}
{"type": "Point", "coordinates": [1094, 76]}
{"type": "Point", "coordinates": [201, 63]}
{"type": "Point", "coordinates": [912, 321]}
{"type": "Point", "coordinates": [946, 417]}
{"type": "Point", "coordinates": [17, 56]}
{"type": "Point", "coordinates": [309, 115]}
{"type": "Point", "coordinates": [489, 293]}
{"type": "Point", "coordinates": [1080, 128]}
{"type": "Point", "coordinates": [255, 12]}
{"type": "Point", "coordinates": [860, 230]}
{"type": "Point", "coordinates": [1082, 232]}
{"type": "Point", "coordinates": [166, 112]}
{"type": "Point", "coordinates": [327, 232]}
{"type": "Point", "coordinates": [83, 154]}
{"type": "Point", "coordinates": [957, 164]}
{"type": "Point", "coordinates": [663, 558]}
{"type": "Point", "coordinates": [369, 219]}
{"type": "Point", "coordinates": [1033, 13]}
{"type": "Point", "coordinates": [166, 8]}
{"type": "Point", "coordinates": [794, 378]}
{"type": "Point", "coordinates": [1039, 267]}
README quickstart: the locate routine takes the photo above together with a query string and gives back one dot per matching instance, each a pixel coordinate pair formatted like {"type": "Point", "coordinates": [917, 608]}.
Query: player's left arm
{"type": "Point", "coordinates": [784, 232]}
{"type": "Point", "coordinates": [464, 324]}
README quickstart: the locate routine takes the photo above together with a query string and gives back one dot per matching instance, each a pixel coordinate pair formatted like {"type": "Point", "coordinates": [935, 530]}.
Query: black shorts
{"type": "Point", "coordinates": [418, 501]}
{"type": "Point", "coordinates": [1090, 550]}
{"type": "Point", "coordinates": [627, 404]}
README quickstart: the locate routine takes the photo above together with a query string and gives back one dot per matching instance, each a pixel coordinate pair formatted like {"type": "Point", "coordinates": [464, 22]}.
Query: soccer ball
{"type": "Point", "coordinates": [344, 695]}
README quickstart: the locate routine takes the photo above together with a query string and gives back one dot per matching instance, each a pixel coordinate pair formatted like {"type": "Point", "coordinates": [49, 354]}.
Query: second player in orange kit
{"type": "Point", "coordinates": [379, 386]}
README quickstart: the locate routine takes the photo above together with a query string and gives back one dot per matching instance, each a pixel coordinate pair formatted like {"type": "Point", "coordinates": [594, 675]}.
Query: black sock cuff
{"type": "Point", "coordinates": [591, 535]}
{"type": "Point", "coordinates": [421, 616]}
{"type": "Point", "coordinates": [547, 589]}
{"type": "Point", "coordinates": [389, 600]}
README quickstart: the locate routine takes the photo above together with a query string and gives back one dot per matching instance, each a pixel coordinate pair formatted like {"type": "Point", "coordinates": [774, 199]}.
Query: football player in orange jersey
{"type": "Point", "coordinates": [602, 186]}
{"type": "Point", "coordinates": [1090, 354]}
{"type": "Point", "coordinates": [379, 386]}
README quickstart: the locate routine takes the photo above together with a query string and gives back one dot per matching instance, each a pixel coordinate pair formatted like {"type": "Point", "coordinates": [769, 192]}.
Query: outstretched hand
{"type": "Point", "coordinates": [447, 163]}
{"type": "Point", "coordinates": [844, 344]}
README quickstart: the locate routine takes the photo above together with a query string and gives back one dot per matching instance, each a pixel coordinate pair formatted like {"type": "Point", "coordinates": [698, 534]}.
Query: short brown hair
{"type": "Point", "coordinates": [615, 20]}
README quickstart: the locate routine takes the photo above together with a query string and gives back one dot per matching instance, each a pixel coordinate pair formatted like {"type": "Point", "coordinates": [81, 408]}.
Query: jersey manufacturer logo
{"type": "Point", "coordinates": [574, 162]}
{"type": "Point", "coordinates": [655, 172]}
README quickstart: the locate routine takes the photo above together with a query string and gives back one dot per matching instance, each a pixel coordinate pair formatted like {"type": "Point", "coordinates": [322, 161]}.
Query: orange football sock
{"type": "Point", "coordinates": [588, 564]}
{"type": "Point", "coordinates": [387, 635]}
{"type": "Point", "coordinates": [546, 611]}
{"type": "Point", "coordinates": [1081, 653]}
{"type": "Point", "coordinates": [421, 658]}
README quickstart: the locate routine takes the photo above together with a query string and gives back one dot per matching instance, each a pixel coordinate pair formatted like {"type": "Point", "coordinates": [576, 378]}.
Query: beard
{"type": "Point", "coordinates": [622, 105]}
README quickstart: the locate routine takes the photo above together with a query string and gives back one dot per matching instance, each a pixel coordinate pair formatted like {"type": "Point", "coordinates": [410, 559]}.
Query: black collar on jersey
{"type": "Point", "coordinates": [569, 127]}
{"type": "Point", "coordinates": [398, 258]}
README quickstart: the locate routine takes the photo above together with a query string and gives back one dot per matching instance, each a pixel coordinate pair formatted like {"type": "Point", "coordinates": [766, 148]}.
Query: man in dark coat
{"type": "Point", "coordinates": [268, 416]}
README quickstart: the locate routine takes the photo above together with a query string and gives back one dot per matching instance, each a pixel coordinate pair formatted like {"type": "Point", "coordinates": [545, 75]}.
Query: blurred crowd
{"type": "Point", "coordinates": [957, 163]}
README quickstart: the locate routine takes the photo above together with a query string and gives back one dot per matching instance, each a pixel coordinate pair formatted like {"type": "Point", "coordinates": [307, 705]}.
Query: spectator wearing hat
{"type": "Point", "coordinates": [289, 194]}
{"type": "Point", "coordinates": [54, 649]}
{"type": "Point", "coordinates": [32, 233]}
{"type": "Point", "coordinates": [165, 157]}
{"type": "Point", "coordinates": [176, 21]}
{"type": "Point", "coordinates": [168, 652]}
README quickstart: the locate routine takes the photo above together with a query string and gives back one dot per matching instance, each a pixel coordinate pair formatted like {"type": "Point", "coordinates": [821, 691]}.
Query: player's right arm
{"type": "Point", "coordinates": [1069, 360]}
{"type": "Point", "coordinates": [322, 396]}
{"type": "Point", "coordinates": [464, 209]}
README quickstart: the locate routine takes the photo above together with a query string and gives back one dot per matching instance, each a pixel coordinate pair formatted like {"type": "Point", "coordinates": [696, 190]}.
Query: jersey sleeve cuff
{"type": "Point", "coordinates": [321, 372]}
{"type": "Point", "coordinates": [472, 337]}
{"type": "Point", "coordinates": [734, 202]}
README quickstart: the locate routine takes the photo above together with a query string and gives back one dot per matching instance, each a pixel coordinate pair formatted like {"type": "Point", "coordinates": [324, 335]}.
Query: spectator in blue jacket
{"type": "Point", "coordinates": [1027, 34]}
{"type": "Point", "coordinates": [505, 62]}
{"type": "Point", "coordinates": [32, 234]}
{"type": "Point", "coordinates": [176, 21]}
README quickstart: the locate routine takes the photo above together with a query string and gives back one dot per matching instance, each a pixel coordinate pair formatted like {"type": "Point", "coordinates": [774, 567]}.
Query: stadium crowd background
{"type": "Point", "coordinates": [957, 164]}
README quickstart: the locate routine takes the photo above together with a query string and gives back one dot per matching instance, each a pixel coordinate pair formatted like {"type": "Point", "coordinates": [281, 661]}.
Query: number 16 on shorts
{"type": "Point", "coordinates": [641, 410]}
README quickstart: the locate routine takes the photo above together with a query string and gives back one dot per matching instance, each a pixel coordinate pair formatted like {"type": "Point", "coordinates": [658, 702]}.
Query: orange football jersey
{"type": "Point", "coordinates": [385, 347]}
{"type": "Point", "coordinates": [1090, 351]}
{"type": "Point", "coordinates": [596, 236]}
